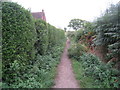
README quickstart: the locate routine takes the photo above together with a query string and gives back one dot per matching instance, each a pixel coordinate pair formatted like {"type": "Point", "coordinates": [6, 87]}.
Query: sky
{"type": "Point", "coordinates": [60, 12]}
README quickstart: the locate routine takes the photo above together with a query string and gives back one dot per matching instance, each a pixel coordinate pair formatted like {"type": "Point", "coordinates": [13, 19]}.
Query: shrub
{"type": "Point", "coordinates": [41, 74]}
{"type": "Point", "coordinates": [104, 75]}
{"type": "Point", "coordinates": [108, 34]}
{"type": "Point", "coordinates": [56, 36]}
{"type": "Point", "coordinates": [19, 36]}
{"type": "Point", "coordinates": [71, 35]}
{"type": "Point", "coordinates": [76, 50]}
{"type": "Point", "coordinates": [23, 67]}
{"type": "Point", "coordinates": [79, 35]}
{"type": "Point", "coordinates": [41, 44]}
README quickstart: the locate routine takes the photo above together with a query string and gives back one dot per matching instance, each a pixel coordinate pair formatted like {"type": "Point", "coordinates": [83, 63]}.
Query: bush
{"type": "Point", "coordinates": [19, 36]}
{"type": "Point", "coordinates": [41, 44]}
{"type": "Point", "coordinates": [55, 36]}
{"type": "Point", "coordinates": [48, 36]}
{"type": "Point", "coordinates": [76, 50]}
{"type": "Point", "coordinates": [79, 35]}
{"type": "Point", "coordinates": [108, 34]}
{"type": "Point", "coordinates": [23, 66]}
{"type": "Point", "coordinates": [71, 35]}
{"type": "Point", "coordinates": [41, 74]}
{"type": "Point", "coordinates": [104, 75]}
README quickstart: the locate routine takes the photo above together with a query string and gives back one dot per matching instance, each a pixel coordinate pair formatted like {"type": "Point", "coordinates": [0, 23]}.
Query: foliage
{"type": "Point", "coordinates": [65, 29]}
{"type": "Point", "coordinates": [76, 50]}
{"type": "Point", "coordinates": [47, 36]}
{"type": "Point", "coordinates": [55, 36]}
{"type": "Point", "coordinates": [108, 33]}
{"type": "Point", "coordinates": [79, 35]}
{"type": "Point", "coordinates": [31, 49]}
{"type": "Point", "coordinates": [76, 24]}
{"type": "Point", "coordinates": [0, 43]}
{"type": "Point", "coordinates": [71, 35]}
{"type": "Point", "coordinates": [104, 75]}
{"type": "Point", "coordinates": [84, 81]}
{"type": "Point", "coordinates": [41, 44]}
{"type": "Point", "coordinates": [85, 34]}
{"type": "Point", "coordinates": [41, 74]}
{"type": "Point", "coordinates": [19, 35]}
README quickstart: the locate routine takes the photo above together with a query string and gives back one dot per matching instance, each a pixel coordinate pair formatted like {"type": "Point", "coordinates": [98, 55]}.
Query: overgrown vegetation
{"type": "Point", "coordinates": [85, 81]}
{"type": "Point", "coordinates": [105, 76]}
{"type": "Point", "coordinates": [31, 49]}
{"type": "Point", "coordinates": [108, 34]}
{"type": "Point", "coordinates": [95, 74]}
{"type": "Point", "coordinates": [77, 50]}
{"type": "Point", "coordinates": [100, 38]}
{"type": "Point", "coordinates": [93, 70]}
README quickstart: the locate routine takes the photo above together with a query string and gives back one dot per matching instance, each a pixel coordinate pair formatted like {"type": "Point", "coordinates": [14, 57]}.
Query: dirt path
{"type": "Point", "coordinates": [65, 77]}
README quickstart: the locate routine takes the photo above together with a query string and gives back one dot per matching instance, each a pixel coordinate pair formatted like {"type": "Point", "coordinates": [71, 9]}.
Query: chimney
{"type": "Point", "coordinates": [43, 17]}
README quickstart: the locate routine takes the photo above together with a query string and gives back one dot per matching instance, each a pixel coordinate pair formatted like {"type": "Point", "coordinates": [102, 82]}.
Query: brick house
{"type": "Point", "coordinates": [39, 15]}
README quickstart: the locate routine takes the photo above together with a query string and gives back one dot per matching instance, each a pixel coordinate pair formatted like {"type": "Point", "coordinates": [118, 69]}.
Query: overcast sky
{"type": "Point", "coordinates": [60, 12]}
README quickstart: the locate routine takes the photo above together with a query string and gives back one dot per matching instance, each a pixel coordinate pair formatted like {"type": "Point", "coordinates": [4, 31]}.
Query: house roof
{"type": "Point", "coordinates": [39, 15]}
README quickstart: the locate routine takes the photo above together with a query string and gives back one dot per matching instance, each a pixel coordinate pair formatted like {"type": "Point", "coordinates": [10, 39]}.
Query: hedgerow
{"type": "Point", "coordinates": [41, 44]}
{"type": "Point", "coordinates": [104, 38]}
{"type": "Point", "coordinates": [55, 36]}
{"type": "Point", "coordinates": [108, 33]}
{"type": "Point", "coordinates": [18, 38]}
{"type": "Point", "coordinates": [0, 43]}
{"type": "Point", "coordinates": [31, 49]}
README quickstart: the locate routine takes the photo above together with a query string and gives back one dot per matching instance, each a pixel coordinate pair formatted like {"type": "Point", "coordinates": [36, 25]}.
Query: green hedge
{"type": "Point", "coordinates": [108, 33]}
{"type": "Point", "coordinates": [24, 40]}
{"type": "Point", "coordinates": [55, 36]}
{"type": "Point", "coordinates": [41, 44]}
{"type": "Point", "coordinates": [19, 35]}
{"type": "Point", "coordinates": [0, 40]}
{"type": "Point", "coordinates": [48, 36]}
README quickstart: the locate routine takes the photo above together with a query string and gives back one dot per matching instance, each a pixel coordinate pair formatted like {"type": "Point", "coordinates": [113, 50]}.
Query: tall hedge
{"type": "Point", "coordinates": [19, 36]}
{"type": "Point", "coordinates": [41, 44]}
{"type": "Point", "coordinates": [0, 41]}
{"type": "Point", "coordinates": [108, 33]}
{"type": "Point", "coordinates": [47, 36]}
{"type": "Point", "coordinates": [55, 36]}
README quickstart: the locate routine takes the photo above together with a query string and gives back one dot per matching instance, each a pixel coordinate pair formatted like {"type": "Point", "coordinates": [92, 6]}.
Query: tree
{"type": "Point", "coordinates": [76, 24]}
{"type": "Point", "coordinates": [108, 32]}
{"type": "Point", "coordinates": [65, 29]}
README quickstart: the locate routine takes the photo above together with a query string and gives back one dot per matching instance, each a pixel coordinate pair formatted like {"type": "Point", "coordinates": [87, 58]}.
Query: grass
{"type": "Point", "coordinates": [85, 82]}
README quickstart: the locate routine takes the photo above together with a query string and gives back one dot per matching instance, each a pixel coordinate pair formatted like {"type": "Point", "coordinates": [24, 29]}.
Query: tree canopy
{"type": "Point", "coordinates": [76, 24]}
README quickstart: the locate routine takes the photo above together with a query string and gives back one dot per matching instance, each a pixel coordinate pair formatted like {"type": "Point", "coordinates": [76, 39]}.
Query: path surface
{"type": "Point", "coordinates": [65, 77]}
